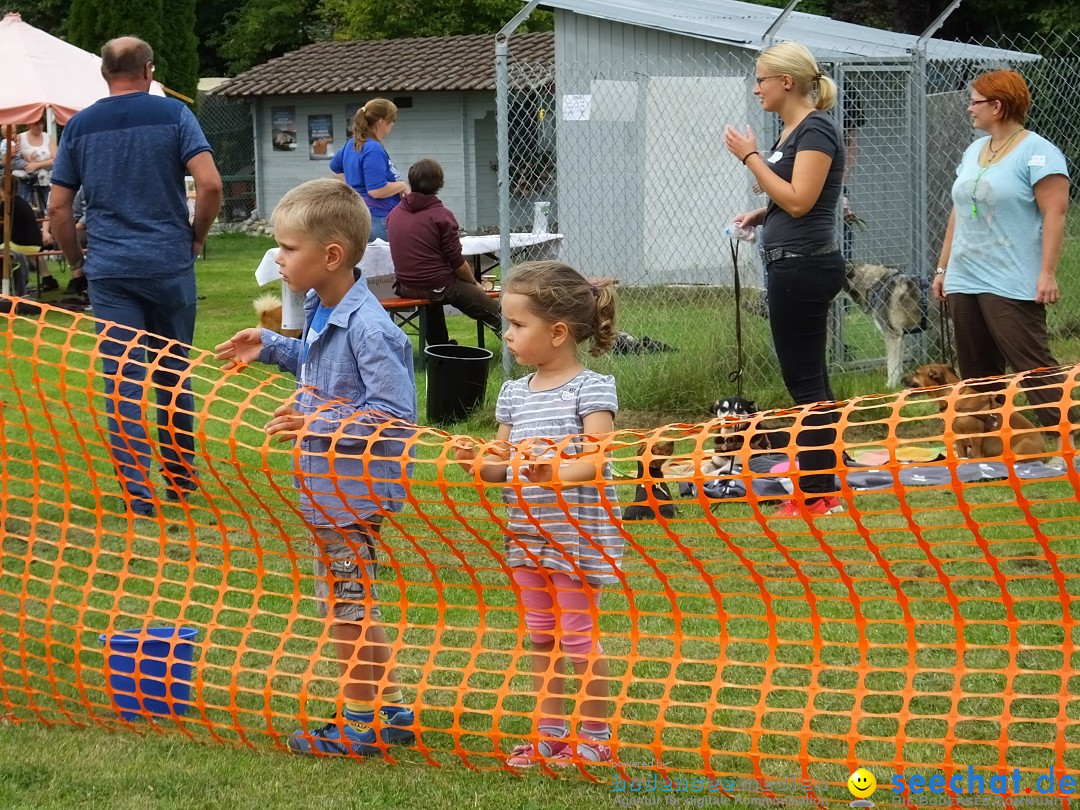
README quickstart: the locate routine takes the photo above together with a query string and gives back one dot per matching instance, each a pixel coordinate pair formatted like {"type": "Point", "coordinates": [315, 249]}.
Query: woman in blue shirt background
{"type": "Point", "coordinates": [365, 165]}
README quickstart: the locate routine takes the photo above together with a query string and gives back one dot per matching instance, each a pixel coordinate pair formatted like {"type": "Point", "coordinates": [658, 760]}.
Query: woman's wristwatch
{"type": "Point", "coordinates": [940, 271]}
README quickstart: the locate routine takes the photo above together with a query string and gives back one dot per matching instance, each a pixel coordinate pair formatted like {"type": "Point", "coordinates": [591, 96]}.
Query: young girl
{"type": "Point", "coordinates": [565, 542]}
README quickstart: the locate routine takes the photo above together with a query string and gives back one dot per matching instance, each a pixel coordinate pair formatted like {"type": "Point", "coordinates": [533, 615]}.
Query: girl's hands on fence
{"type": "Point", "coordinates": [493, 461]}
{"type": "Point", "coordinates": [465, 453]}
{"type": "Point", "coordinates": [241, 348]}
{"type": "Point", "coordinates": [287, 423]}
{"type": "Point", "coordinates": [539, 470]}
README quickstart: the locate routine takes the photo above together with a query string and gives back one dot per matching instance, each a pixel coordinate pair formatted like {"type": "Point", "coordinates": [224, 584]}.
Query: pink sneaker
{"type": "Point", "coordinates": [528, 755]}
{"type": "Point", "coordinates": [826, 505]}
{"type": "Point", "coordinates": [594, 751]}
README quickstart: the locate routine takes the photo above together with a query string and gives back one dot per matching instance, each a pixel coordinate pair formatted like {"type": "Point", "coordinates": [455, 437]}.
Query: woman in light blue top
{"type": "Point", "coordinates": [365, 165]}
{"type": "Point", "coordinates": [998, 265]}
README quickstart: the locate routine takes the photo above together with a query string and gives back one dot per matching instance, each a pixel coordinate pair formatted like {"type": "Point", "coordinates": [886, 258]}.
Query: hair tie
{"type": "Point", "coordinates": [595, 290]}
{"type": "Point", "coordinates": [818, 78]}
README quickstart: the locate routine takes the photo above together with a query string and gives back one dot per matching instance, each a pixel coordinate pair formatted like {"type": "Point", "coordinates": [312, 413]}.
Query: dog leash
{"type": "Point", "coordinates": [737, 375]}
{"type": "Point", "coordinates": [947, 351]}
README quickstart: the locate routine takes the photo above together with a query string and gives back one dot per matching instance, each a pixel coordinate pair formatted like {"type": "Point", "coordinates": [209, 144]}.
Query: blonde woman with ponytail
{"type": "Point", "coordinates": [365, 165]}
{"type": "Point", "coordinates": [802, 174]}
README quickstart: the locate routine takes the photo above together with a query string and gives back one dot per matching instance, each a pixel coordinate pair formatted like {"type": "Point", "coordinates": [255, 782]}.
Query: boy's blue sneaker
{"type": "Point", "coordinates": [338, 737]}
{"type": "Point", "coordinates": [396, 721]}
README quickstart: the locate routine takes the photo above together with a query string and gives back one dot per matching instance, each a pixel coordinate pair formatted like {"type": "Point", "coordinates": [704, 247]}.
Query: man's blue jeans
{"type": "Point", "coordinates": [164, 307]}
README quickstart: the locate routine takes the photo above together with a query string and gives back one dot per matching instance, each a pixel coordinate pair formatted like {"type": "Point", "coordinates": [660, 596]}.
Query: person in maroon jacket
{"type": "Point", "coordinates": [426, 250]}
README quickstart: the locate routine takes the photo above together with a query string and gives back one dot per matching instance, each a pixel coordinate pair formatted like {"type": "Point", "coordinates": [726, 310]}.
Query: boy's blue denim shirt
{"type": "Point", "coordinates": [359, 381]}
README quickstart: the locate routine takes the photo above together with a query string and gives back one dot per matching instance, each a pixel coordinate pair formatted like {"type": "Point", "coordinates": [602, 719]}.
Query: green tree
{"type": "Point", "coordinates": [179, 50]}
{"type": "Point", "coordinates": [210, 18]}
{"type": "Point", "coordinates": [48, 15]}
{"type": "Point", "coordinates": [92, 23]}
{"type": "Point", "coordinates": [393, 19]}
{"type": "Point", "coordinates": [262, 29]}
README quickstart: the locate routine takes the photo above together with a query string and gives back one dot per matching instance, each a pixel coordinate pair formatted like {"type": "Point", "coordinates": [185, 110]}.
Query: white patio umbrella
{"type": "Point", "coordinates": [42, 72]}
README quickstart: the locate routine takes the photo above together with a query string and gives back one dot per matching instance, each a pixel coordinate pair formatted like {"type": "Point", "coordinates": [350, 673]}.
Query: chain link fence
{"type": "Point", "coordinates": [227, 125]}
{"type": "Point", "coordinates": [630, 157]}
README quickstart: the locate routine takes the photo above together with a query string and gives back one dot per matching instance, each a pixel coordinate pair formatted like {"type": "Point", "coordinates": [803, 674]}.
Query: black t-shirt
{"type": "Point", "coordinates": [816, 133]}
{"type": "Point", "coordinates": [24, 225]}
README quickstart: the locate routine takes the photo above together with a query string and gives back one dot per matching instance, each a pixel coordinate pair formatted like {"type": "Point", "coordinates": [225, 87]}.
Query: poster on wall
{"type": "Point", "coordinates": [283, 128]}
{"type": "Point", "coordinates": [350, 114]}
{"type": "Point", "coordinates": [320, 137]}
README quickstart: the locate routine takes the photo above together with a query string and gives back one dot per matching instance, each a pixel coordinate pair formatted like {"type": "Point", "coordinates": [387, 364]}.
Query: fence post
{"type": "Point", "coordinates": [921, 247]}
{"type": "Point", "coordinates": [502, 124]}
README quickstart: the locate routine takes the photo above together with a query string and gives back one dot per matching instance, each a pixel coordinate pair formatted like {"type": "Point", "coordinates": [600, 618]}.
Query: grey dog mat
{"type": "Point", "coordinates": [863, 479]}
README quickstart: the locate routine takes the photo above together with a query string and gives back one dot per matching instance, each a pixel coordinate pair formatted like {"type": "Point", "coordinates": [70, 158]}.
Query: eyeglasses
{"type": "Point", "coordinates": [975, 101]}
{"type": "Point", "coordinates": [759, 79]}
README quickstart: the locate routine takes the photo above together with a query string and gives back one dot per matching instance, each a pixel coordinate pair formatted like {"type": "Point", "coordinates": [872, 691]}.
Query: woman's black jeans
{"type": "Point", "coordinates": [800, 290]}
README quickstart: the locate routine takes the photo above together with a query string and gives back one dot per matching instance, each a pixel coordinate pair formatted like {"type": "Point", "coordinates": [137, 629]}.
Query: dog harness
{"type": "Point", "coordinates": [877, 298]}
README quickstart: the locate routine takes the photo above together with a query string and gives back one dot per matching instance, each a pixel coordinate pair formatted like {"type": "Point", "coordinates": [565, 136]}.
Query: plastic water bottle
{"type": "Point", "coordinates": [734, 230]}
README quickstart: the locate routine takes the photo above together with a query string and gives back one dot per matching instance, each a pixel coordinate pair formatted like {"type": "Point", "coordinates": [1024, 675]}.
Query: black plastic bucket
{"type": "Point", "coordinates": [456, 381]}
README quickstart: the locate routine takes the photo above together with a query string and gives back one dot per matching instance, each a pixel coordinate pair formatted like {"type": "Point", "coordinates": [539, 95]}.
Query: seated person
{"type": "Point", "coordinates": [25, 239]}
{"type": "Point", "coordinates": [78, 284]}
{"type": "Point", "coordinates": [426, 250]}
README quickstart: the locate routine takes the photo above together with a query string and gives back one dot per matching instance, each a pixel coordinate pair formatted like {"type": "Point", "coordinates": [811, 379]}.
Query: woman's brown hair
{"type": "Point", "coordinates": [368, 116]}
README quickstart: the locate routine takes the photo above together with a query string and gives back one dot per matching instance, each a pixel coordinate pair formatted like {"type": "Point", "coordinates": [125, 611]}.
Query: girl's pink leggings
{"type": "Point", "coordinates": [554, 599]}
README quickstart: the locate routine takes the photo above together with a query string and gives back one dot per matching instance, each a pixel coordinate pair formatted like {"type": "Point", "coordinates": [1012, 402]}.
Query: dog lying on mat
{"type": "Point", "coordinates": [735, 413]}
{"type": "Point", "coordinates": [978, 420]}
{"type": "Point", "coordinates": [897, 303]}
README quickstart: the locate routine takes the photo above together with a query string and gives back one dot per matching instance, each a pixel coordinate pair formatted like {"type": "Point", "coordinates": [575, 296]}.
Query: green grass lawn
{"type": "Point", "coordinates": [945, 619]}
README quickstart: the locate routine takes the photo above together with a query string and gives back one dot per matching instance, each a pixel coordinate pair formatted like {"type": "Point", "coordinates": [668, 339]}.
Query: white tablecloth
{"type": "Point", "coordinates": [377, 262]}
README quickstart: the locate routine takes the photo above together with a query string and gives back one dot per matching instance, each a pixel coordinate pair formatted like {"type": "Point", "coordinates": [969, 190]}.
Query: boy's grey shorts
{"type": "Point", "coordinates": [345, 560]}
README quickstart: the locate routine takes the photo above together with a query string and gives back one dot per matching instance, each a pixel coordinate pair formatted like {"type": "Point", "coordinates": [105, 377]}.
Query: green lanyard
{"type": "Point", "coordinates": [993, 156]}
{"type": "Point", "coordinates": [975, 185]}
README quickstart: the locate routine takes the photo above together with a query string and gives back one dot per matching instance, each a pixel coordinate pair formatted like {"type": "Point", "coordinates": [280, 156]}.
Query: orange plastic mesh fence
{"type": "Point", "coordinates": [928, 627]}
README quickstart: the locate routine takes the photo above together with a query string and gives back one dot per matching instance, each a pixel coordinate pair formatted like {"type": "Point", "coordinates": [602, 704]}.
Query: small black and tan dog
{"type": "Point", "coordinates": [735, 414]}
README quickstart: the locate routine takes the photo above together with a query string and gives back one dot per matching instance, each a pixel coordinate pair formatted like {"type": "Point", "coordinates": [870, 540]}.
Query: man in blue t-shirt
{"type": "Point", "coordinates": [130, 152]}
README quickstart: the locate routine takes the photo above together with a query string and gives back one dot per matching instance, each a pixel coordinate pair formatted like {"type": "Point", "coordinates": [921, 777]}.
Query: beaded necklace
{"type": "Point", "coordinates": [982, 170]}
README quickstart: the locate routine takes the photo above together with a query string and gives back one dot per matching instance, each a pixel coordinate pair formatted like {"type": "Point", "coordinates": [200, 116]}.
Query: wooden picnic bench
{"type": "Point", "coordinates": [411, 315]}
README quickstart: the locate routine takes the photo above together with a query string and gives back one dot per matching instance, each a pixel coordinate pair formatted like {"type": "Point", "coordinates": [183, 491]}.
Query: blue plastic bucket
{"type": "Point", "coordinates": [162, 658]}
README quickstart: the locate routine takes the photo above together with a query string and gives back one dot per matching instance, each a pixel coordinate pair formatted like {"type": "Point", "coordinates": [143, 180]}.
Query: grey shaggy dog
{"type": "Point", "coordinates": [897, 303]}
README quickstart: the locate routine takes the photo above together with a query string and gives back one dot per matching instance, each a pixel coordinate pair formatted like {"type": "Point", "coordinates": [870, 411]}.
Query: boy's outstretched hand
{"type": "Point", "coordinates": [243, 347]}
{"type": "Point", "coordinates": [287, 424]}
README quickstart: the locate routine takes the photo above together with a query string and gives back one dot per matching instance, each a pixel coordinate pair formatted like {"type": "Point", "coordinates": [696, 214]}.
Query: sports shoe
{"type": "Point", "coordinates": [178, 488]}
{"type": "Point", "coordinates": [395, 723]}
{"type": "Point", "coordinates": [528, 755]}
{"type": "Point", "coordinates": [826, 505]}
{"type": "Point", "coordinates": [48, 284]}
{"type": "Point", "coordinates": [141, 508]}
{"type": "Point", "coordinates": [594, 751]}
{"type": "Point", "coordinates": [77, 285]}
{"type": "Point", "coordinates": [339, 737]}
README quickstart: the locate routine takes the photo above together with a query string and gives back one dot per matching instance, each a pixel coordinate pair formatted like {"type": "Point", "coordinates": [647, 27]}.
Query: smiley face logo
{"type": "Point", "coordinates": [862, 784]}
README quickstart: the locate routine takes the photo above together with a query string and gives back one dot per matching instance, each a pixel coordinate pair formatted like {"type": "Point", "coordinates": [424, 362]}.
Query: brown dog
{"type": "Point", "coordinates": [268, 308]}
{"type": "Point", "coordinates": [978, 422]}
